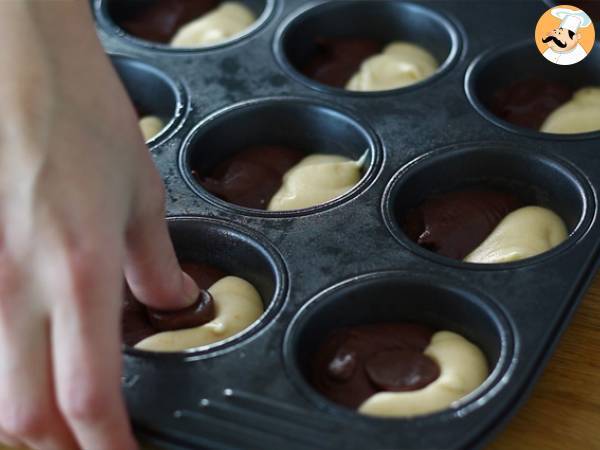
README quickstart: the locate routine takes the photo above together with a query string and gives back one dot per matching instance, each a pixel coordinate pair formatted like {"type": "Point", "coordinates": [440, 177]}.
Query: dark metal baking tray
{"type": "Point", "coordinates": [347, 261]}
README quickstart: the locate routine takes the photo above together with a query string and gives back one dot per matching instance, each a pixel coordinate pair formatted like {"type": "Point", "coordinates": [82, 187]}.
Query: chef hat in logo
{"type": "Point", "coordinates": [572, 19]}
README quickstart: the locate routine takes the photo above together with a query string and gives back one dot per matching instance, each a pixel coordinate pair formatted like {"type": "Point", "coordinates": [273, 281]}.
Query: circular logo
{"type": "Point", "coordinates": [565, 35]}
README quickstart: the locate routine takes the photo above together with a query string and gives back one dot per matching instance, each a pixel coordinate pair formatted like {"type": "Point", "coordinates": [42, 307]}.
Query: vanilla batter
{"type": "Point", "coordinates": [237, 305]}
{"type": "Point", "coordinates": [581, 114]}
{"type": "Point", "coordinates": [150, 126]}
{"type": "Point", "coordinates": [463, 368]}
{"type": "Point", "coordinates": [522, 234]}
{"type": "Point", "coordinates": [316, 179]}
{"type": "Point", "coordinates": [219, 25]}
{"type": "Point", "coordinates": [400, 64]}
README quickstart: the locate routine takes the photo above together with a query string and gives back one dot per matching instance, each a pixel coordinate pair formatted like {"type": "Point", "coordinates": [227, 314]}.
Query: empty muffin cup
{"type": "Point", "coordinates": [159, 101]}
{"type": "Point", "coordinates": [518, 180]}
{"type": "Point", "coordinates": [325, 45]}
{"type": "Point", "coordinates": [183, 25]}
{"type": "Point", "coordinates": [231, 260]}
{"type": "Point", "coordinates": [274, 157]}
{"type": "Point", "coordinates": [531, 101]}
{"type": "Point", "coordinates": [399, 301]}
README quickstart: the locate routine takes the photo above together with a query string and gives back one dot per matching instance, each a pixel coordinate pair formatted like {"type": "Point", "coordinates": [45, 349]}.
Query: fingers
{"type": "Point", "coordinates": [152, 270]}
{"type": "Point", "coordinates": [87, 354]}
{"type": "Point", "coordinates": [29, 415]}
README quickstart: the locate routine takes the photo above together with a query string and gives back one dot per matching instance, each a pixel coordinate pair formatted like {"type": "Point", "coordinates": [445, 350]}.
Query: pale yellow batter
{"type": "Point", "coordinates": [150, 126]}
{"type": "Point", "coordinates": [463, 368]}
{"type": "Point", "coordinates": [316, 179]}
{"type": "Point", "coordinates": [400, 64]}
{"type": "Point", "coordinates": [581, 114]}
{"type": "Point", "coordinates": [522, 234]}
{"type": "Point", "coordinates": [214, 27]}
{"type": "Point", "coordinates": [237, 306]}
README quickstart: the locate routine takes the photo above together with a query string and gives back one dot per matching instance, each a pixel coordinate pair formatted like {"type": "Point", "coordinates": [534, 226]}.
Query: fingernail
{"type": "Point", "coordinates": [191, 291]}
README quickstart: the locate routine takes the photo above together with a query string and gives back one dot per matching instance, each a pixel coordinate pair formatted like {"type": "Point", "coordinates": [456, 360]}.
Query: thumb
{"type": "Point", "coordinates": [151, 267]}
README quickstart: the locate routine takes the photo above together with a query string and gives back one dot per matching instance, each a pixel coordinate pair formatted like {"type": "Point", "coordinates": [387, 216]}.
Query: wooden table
{"type": "Point", "coordinates": [563, 412]}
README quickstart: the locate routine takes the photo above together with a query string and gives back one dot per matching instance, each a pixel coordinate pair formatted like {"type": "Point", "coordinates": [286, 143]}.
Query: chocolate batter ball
{"type": "Point", "coordinates": [336, 60]}
{"type": "Point", "coordinates": [455, 223]}
{"type": "Point", "coordinates": [157, 20]}
{"type": "Point", "coordinates": [139, 322]}
{"type": "Point", "coordinates": [200, 312]}
{"type": "Point", "coordinates": [527, 103]}
{"type": "Point", "coordinates": [354, 363]}
{"type": "Point", "coordinates": [251, 177]}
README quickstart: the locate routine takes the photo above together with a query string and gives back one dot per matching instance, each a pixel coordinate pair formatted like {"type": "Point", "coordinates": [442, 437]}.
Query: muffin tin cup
{"type": "Point", "coordinates": [235, 251]}
{"type": "Point", "coordinates": [487, 73]}
{"type": "Point", "coordinates": [396, 297]}
{"type": "Point", "coordinates": [383, 20]}
{"type": "Point", "coordinates": [535, 177]}
{"type": "Point", "coordinates": [153, 92]}
{"type": "Point", "coordinates": [263, 9]}
{"type": "Point", "coordinates": [300, 123]}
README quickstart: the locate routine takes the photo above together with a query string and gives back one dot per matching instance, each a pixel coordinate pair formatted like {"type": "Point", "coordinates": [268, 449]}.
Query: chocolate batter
{"type": "Point", "coordinates": [250, 177]}
{"type": "Point", "coordinates": [528, 102]}
{"type": "Point", "coordinates": [201, 312]}
{"type": "Point", "coordinates": [157, 20]}
{"type": "Point", "coordinates": [139, 322]}
{"type": "Point", "coordinates": [455, 223]}
{"type": "Point", "coordinates": [354, 363]}
{"type": "Point", "coordinates": [336, 60]}
{"type": "Point", "coordinates": [141, 112]}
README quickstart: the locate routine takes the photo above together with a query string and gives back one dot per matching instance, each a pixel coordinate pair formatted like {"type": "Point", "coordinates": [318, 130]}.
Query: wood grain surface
{"type": "Point", "coordinates": [563, 412]}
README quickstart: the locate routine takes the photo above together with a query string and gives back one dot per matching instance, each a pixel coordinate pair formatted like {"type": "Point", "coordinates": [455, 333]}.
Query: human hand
{"type": "Point", "coordinates": [81, 204]}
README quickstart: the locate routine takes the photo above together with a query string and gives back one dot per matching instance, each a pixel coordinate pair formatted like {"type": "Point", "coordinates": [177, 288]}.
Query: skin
{"type": "Point", "coordinates": [81, 206]}
{"type": "Point", "coordinates": [563, 36]}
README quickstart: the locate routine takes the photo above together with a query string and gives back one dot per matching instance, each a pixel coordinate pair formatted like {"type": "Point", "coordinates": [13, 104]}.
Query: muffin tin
{"type": "Point", "coordinates": [348, 262]}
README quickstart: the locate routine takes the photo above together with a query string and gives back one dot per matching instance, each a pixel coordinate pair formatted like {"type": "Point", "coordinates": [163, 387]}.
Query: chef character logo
{"type": "Point", "coordinates": [564, 35]}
